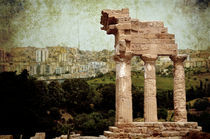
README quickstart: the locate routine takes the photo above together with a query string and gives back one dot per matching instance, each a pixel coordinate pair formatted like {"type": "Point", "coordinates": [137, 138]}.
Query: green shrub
{"type": "Point", "coordinates": [201, 104]}
{"type": "Point", "coordinates": [162, 113]}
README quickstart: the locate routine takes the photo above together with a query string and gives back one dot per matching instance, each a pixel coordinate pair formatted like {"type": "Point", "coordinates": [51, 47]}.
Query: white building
{"type": "Point", "coordinates": [41, 55]}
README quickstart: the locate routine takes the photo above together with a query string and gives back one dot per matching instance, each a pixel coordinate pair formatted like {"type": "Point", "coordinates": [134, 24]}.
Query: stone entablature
{"type": "Point", "coordinates": [136, 37]}
{"type": "Point", "coordinates": [148, 40]}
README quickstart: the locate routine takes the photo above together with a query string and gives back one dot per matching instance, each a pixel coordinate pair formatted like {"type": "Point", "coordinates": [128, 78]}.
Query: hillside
{"type": "Point", "coordinates": [163, 83]}
{"type": "Point", "coordinates": [197, 93]}
{"type": "Point", "coordinates": [87, 106]}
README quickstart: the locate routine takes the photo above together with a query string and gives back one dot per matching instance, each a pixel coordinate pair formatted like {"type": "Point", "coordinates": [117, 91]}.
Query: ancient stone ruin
{"type": "Point", "coordinates": [147, 40]}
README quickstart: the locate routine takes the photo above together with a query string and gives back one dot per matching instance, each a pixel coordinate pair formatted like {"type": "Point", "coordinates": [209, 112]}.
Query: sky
{"type": "Point", "coordinates": [76, 23]}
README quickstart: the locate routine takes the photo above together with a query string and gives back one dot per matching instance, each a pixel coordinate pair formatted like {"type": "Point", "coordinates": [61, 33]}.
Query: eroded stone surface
{"type": "Point", "coordinates": [147, 40]}
{"type": "Point", "coordinates": [152, 129]}
{"type": "Point", "coordinates": [40, 135]}
{"type": "Point", "coordinates": [6, 137]}
{"type": "Point", "coordinates": [149, 37]}
{"type": "Point", "coordinates": [150, 102]}
{"type": "Point", "coordinates": [123, 90]}
{"type": "Point", "coordinates": [180, 112]}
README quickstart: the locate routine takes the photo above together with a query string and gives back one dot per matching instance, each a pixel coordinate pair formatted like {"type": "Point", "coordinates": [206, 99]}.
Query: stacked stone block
{"type": "Point", "coordinates": [40, 135]}
{"type": "Point", "coordinates": [138, 130]}
{"type": "Point", "coordinates": [6, 136]}
{"type": "Point", "coordinates": [149, 37]}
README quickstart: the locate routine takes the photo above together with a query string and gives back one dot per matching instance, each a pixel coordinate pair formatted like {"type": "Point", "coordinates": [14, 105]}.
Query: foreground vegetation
{"type": "Point", "coordinates": [87, 106]}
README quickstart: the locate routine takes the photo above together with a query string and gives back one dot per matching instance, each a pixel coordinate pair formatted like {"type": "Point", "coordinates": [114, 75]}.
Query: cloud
{"type": "Point", "coordinates": [44, 23]}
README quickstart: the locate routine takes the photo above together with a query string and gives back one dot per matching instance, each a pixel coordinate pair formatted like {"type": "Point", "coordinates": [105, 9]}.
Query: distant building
{"type": "Point", "coordinates": [2, 55]}
{"type": "Point", "coordinates": [41, 55]}
{"type": "Point", "coordinates": [63, 62]}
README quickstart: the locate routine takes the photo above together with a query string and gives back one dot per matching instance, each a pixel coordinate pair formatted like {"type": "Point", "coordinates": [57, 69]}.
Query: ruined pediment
{"type": "Point", "coordinates": [149, 37]}
{"type": "Point", "coordinates": [148, 40]}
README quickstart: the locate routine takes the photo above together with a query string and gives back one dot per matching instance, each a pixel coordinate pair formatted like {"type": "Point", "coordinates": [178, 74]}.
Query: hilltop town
{"type": "Point", "coordinates": [59, 62]}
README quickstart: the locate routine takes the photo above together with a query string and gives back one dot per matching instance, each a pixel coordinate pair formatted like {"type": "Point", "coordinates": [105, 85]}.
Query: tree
{"type": "Point", "coordinates": [162, 113]}
{"type": "Point", "coordinates": [79, 95]}
{"type": "Point", "coordinates": [107, 92]}
{"type": "Point", "coordinates": [138, 102]}
{"type": "Point", "coordinates": [165, 99]}
{"type": "Point", "coordinates": [57, 96]}
{"type": "Point", "coordinates": [24, 75]}
{"type": "Point", "coordinates": [92, 124]}
{"type": "Point", "coordinates": [201, 104]}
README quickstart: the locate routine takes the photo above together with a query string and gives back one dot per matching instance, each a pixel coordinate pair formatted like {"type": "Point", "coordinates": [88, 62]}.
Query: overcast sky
{"type": "Point", "coordinates": [44, 23]}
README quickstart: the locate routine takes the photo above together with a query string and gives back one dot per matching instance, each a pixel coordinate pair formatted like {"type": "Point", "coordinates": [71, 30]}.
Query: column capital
{"type": "Point", "coordinates": [148, 57]}
{"type": "Point", "coordinates": [126, 57]}
{"type": "Point", "coordinates": [178, 58]}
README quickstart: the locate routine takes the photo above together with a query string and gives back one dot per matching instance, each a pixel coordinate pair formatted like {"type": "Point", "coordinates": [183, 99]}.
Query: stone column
{"type": "Point", "coordinates": [180, 112]}
{"type": "Point", "coordinates": [124, 109]}
{"type": "Point", "coordinates": [150, 101]}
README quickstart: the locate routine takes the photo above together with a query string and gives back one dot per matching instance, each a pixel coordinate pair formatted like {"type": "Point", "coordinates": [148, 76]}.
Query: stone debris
{"type": "Point", "coordinates": [40, 135]}
{"type": "Point", "coordinates": [6, 137]}
{"type": "Point", "coordinates": [77, 136]}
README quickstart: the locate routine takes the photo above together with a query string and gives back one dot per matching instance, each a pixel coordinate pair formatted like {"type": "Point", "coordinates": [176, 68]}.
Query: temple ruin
{"type": "Point", "coordinates": [148, 40]}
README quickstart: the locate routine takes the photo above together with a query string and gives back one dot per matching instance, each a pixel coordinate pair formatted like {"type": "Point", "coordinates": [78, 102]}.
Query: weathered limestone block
{"type": "Point", "coordinates": [113, 129]}
{"type": "Point", "coordinates": [153, 130]}
{"type": "Point", "coordinates": [154, 49]}
{"type": "Point", "coordinates": [109, 134]}
{"type": "Point", "coordinates": [135, 24]}
{"type": "Point", "coordinates": [180, 112]}
{"type": "Point", "coordinates": [170, 133]}
{"type": "Point", "coordinates": [110, 17]}
{"type": "Point", "coordinates": [156, 36]}
{"type": "Point", "coordinates": [123, 90]}
{"type": "Point", "coordinates": [6, 137]}
{"type": "Point", "coordinates": [74, 136]}
{"type": "Point", "coordinates": [152, 41]}
{"type": "Point", "coordinates": [40, 135]}
{"type": "Point", "coordinates": [153, 30]}
{"type": "Point", "coordinates": [152, 35]}
{"type": "Point", "coordinates": [156, 24]}
{"type": "Point", "coordinates": [123, 26]}
{"type": "Point", "coordinates": [150, 102]}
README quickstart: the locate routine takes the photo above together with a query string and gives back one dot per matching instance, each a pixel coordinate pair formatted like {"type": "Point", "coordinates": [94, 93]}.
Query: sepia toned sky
{"type": "Point", "coordinates": [42, 23]}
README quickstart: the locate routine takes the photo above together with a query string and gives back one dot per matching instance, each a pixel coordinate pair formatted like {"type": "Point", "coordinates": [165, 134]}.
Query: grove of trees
{"type": "Point", "coordinates": [28, 105]}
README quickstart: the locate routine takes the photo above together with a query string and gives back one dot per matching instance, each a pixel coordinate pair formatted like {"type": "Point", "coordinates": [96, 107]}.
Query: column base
{"type": "Point", "coordinates": [152, 129]}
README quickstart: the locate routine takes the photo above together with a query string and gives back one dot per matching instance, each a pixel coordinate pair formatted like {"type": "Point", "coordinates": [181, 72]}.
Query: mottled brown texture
{"type": "Point", "coordinates": [150, 37]}
{"type": "Point", "coordinates": [180, 112]}
{"type": "Point", "coordinates": [40, 135]}
{"type": "Point", "coordinates": [150, 101]}
{"type": "Point", "coordinates": [6, 137]}
{"type": "Point", "coordinates": [198, 135]}
{"type": "Point", "coordinates": [164, 130]}
{"type": "Point", "coordinates": [147, 40]}
{"type": "Point", "coordinates": [123, 90]}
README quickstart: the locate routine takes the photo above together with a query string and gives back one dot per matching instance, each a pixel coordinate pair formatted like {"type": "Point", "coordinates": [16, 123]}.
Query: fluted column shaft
{"type": "Point", "coordinates": [150, 101]}
{"type": "Point", "coordinates": [124, 109]}
{"type": "Point", "coordinates": [180, 112]}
